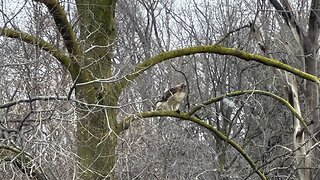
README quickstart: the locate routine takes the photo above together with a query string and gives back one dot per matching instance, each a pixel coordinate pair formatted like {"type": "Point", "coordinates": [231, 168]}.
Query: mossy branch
{"type": "Point", "coordinates": [42, 44]}
{"type": "Point", "coordinates": [22, 161]}
{"type": "Point", "coordinates": [63, 25]}
{"type": "Point", "coordinates": [216, 49]}
{"type": "Point", "coordinates": [186, 116]}
{"type": "Point", "coordinates": [261, 92]}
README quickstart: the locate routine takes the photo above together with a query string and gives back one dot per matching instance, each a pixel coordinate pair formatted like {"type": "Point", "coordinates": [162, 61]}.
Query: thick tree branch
{"type": "Point", "coordinates": [186, 116]}
{"type": "Point", "coordinates": [42, 44]}
{"type": "Point", "coordinates": [63, 25]}
{"type": "Point", "coordinates": [22, 161]}
{"type": "Point", "coordinates": [286, 12]}
{"type": "Point", "coordinates": [216, 49]}
{"type": "Point", "coordinates": [127, 121]}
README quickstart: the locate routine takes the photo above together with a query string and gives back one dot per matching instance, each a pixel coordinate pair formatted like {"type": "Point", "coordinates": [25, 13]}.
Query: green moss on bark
{"type": "Point", "coordinates": [97, 126]}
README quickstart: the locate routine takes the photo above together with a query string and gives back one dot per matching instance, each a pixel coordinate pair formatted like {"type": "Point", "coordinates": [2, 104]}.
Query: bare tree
{"type": "Point", "coordinates": [79, 80]}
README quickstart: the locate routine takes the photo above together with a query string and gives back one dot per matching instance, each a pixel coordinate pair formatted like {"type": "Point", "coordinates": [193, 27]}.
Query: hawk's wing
{"type": "Point", "coordinates": [172, 98]}
{"type": "Point", "coordinates": [167, 94]}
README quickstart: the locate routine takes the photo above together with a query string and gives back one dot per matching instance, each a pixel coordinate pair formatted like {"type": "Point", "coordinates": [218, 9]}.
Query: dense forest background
{"type": "Point", "coordinates": [79, 79]}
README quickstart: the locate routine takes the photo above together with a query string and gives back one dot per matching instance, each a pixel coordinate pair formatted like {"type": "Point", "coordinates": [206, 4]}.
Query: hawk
{"type": "Point", "coordinates": [172, 98]}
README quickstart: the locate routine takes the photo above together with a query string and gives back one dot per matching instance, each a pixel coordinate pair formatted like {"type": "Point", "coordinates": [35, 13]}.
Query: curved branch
{"type": "Point", "coordinates": [42, 44]}
{"type": "Point", "coordinates": [216, 49]}
{"type": "Point", "coordinates": [22, 160]}
{"type": "Point", "coordinates": [266, 93]}
{"type": "Point", "coordinates": [63, 25]}
{"type": "Point", "coordinates": [186, 116]}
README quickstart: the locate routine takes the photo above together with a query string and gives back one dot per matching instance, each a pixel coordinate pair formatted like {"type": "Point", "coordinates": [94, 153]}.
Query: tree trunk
{"type": "Point", "coordinates": [311, 102]}
{"type": "Point", "coordinates": [96, 141]}
{"type": "Point", "coordinates": [309, 44]}
{"type": "Point", "coordinates": [96, 126]}
{"type": "Point", "coordinates": [310, 47]}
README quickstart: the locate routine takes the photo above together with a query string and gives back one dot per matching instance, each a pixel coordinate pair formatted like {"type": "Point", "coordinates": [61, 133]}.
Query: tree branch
{"type": "Point", "coordinates": [21, 160]}
{"type": "Point", "coordinates": [43, 98]}
{"type": "Point", "coordinates": [314, 24]}
{"type": "Point", "coordinates": [286, 12]}
{"type": "Point", "coordinates": [63, 25]}
{"type": "Point", "coordinates": [231, 32]}
{"type": "Point", "coordinates": [42, 44]}
{"type": "Point", "coordinates": [266, 93]}
{"type": "Point", "coordinates": [216, 49]}
{"type": "Point", "coordinates": [186, 116]}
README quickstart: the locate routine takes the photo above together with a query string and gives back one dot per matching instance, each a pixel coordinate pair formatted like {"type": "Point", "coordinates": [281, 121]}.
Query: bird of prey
{"type": "Point", "coordinates": [172, 98]}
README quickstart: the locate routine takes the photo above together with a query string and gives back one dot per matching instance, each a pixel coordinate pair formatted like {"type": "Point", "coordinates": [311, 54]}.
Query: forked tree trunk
{"type": "Point", "coordinates": [308, 44]}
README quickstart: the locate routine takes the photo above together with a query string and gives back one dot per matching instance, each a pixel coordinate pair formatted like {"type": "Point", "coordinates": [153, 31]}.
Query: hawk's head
{"type": "Point", "coordinates": [182, 87]}
{"type": "Point", "coordinates": [172, 98]}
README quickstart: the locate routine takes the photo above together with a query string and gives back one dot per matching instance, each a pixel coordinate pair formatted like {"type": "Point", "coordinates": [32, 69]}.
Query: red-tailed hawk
{"type": "Point", "coordinates": [172, 98]}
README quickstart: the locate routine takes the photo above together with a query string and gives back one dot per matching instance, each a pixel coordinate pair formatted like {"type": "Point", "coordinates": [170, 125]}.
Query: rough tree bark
{"type": "Point", "coordinates": [308, 44]}
{"type": "Point", "coordinates": [96, 126]}
{"type": "Point", "coordinates": [97, 132]}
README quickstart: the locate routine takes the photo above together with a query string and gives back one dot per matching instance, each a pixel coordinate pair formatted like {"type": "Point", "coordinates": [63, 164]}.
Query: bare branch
{"type": "Point", "coordinates": [266, 93]}
{"type": "Point", "coordinates": [186, 116]}
{"type": "Point", "coordinates": [42, 98]}
{"type": "Point", "coordinates": [286, 12]}
{"type": "Point", "coordinates": [63, 25]}
{"type": "Point", "coordinates": [21, 160]}
{"type": "Point", "coordinates": [28, 38]}
{"type": "Point", "coordinates": [231, 32]}
{"type": "Point", "coordinates": [9, 130]}
{"type": "Point", "coordinates": [216, 49]}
